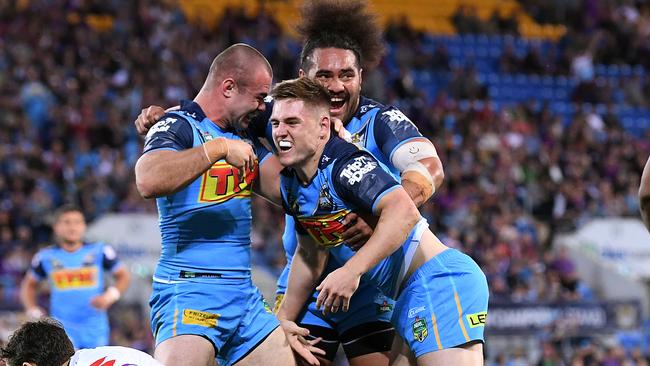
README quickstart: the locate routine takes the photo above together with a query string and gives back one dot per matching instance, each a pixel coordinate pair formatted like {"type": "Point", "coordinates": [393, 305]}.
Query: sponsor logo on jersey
{"type": "Point", "coordinates": [75, 278]}
{"type": "Point", "coordinates": [477, 319]}
{"type": "Point", "coordinates": [327, 230]}
{"type": "Point", "coordinates": [355, 170]}
{"type": "Point", "coordinates": [366, 108]}
{"type": "Point", "coordinates": [384, 307]}
{"type": "Point", "coordinates": [89, 259]}
{"type": "Point", "coordinates": [415, 311]}
{"type": "Point", "coordinates": [56, 264]}
{"type": "Point", "coordinates": [420, 330]}
{"type": "Point", "coordinates": [223, 181]}
{"type": "Point", "coordinates": [395, 115]}
{"type": "Point", "coordinates": [202, 318]}
{"type": "Point", "coordinates": [100, 362]}
{"type": "Point", "coordinates": [162, 125]}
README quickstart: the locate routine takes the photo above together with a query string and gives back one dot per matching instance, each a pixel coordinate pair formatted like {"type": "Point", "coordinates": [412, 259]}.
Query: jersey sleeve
{"type": "Point", "coordinates": [36, 268]}
{"type": "Point", "coordinates": [393, 128]}
{"type": "Point", "coordinates": [361, 180]}
{"type": "Point", "coordinates": [170, 133]}
{"type": "Point", "coordinates": [110, 262]}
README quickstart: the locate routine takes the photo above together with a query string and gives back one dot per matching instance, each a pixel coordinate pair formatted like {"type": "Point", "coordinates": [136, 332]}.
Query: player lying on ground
{"type": "Point", "coordinates": [45, 343]}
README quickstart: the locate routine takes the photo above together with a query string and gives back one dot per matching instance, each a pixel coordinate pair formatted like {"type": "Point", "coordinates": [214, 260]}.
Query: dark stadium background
{"type": "Point", "coordinates": [539, 111]}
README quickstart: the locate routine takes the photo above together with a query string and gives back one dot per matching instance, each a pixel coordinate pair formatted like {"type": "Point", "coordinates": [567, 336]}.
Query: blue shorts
{"type": "Point", "coordinates": [443, 304]}
{"type": "Point", "coordinates": [365, 328]}
{"type": "Point", "coordinates": [368, 304]}
{"type": "Point", "coordinates": [232, 314]}
{"type": "Point", "coordinates": [87, 334]}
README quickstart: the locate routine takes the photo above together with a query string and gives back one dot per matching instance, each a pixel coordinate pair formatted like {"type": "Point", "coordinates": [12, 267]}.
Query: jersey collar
{"type": "Point", "coordinates": [193, 109]}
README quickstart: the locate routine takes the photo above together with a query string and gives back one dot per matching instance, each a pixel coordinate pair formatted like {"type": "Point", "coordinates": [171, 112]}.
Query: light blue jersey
{"type": "Point", "coordinates": [447, 296]}
{"type": "Point", "coordinates": [380, 130]}
{"type": "Point", "coordinates": [202, 284]}
{"type": "Point", "coordinates": [74, 279]}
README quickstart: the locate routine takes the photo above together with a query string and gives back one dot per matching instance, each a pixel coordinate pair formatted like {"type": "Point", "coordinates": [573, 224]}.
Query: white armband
{"type": "Point", "coordinates": [407, 157]}
{"type": "Point", "coordinates": [113, 294]}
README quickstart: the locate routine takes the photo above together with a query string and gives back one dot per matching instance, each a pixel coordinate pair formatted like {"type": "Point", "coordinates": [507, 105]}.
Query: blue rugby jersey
{"type": "Point", "coordinates": [206, 226]}
{"type": "Point", "coordinates": [348, 179]}
{"type": "Point", "coordinates": [378, 128]}
{"type": "Point", "coordinates": [74, 279]}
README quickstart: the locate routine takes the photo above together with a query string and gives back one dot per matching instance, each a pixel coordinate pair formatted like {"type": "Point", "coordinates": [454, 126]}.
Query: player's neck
{"type": "Point", "coordinates": [213, 111]}
{"type": "Point", "coordinates": [308, 168]}
{"type": "Point", "coordinates": [70, 246]}
{"type": "Point", "coordinates": [66, 363]}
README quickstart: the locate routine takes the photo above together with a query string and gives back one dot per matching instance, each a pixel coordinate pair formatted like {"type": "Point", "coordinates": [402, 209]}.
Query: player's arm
{"type": "Point", "coordinates": [306, 268]}
{"type": "Point", "coordinates": [29, 288]}
{"type": "Point", "coordinates": [121, 278]}
{"type": "Point", "coordinates": [411, 153]}
{"type": "Point", "coordinates": [361, 182]}
{"type": "Point", "coordinates": [268, 184]}
{"type": "Point", "coordinates": [170, 163]}
{"type": "Point", "coordinates": [420, 167]}
{"type": "Point", "coordinates": [644, 195]}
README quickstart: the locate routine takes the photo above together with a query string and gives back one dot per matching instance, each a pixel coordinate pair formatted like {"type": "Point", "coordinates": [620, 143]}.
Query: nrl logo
{"type": "Point", "coordinates": [420, 331]}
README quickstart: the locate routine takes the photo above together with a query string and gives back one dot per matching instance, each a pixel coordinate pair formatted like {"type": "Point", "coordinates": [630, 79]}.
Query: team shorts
{"type": "Point", "coordinates": [365, 328]}
{"type": "Point", "coordinates": [230, 313]}
{"type": "Point", "coordinates": [443, 304]}
{"type": "Point", "coordinates": [91, 333]}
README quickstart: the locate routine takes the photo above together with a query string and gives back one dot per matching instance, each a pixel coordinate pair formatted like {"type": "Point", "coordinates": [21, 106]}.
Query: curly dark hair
{"type": "Point", "coordinates": [43, 342]}
{"type": "Point", "coordinates": [345, 24]}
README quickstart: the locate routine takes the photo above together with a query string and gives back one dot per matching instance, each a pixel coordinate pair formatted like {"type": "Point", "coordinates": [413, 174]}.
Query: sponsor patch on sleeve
{"type": "Point", "coordinates": [356, 169]}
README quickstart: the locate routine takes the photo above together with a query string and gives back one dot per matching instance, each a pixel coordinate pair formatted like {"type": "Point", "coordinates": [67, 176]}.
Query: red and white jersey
{"type": "Point", "coordinates": [112, 356]}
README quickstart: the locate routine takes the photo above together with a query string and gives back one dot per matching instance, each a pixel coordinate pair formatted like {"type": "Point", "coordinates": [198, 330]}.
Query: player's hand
{"type": "Point", "coordinates": [340, 129]}
{"type": "Point", "coordinates": [106, 299]}
{"type": "Point", "coordinates": [241, 155]}
{"type": "Point", "coordinates": [299, 344]}
{"type": "Point", "coordinates": [147, 118]}
{"type": "Point", "coordinates": [358, 231]}
{"type": "Point", "coordinates": [336, 290]}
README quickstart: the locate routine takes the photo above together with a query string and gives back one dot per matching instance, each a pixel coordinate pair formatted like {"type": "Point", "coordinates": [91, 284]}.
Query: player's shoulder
{"type": "Point", "coordinates": [367, 105]}
{"type": "Point", "coordinates": [179, 120]}
{"type": "Point", "coordinates": [92, 246]}
{"type": "Point", "coordinates": [171, 122]}
{"type": "Point", "coordinates": [386, 113]}
{"type": "Point", "coordinates": [47, 250]}
{"type": "Point", "coordinates": [336, 149]}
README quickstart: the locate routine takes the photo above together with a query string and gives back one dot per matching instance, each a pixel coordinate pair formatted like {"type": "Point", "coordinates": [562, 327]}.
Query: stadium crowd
{"type": "Point", "coordinates": [514, 175]}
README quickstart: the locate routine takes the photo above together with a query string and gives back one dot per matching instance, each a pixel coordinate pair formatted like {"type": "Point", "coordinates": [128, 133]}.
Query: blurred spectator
{"type": "Point", "coordinates": [466, 21]}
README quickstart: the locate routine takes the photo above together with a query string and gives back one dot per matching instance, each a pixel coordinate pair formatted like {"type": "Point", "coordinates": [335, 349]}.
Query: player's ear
{"type": "Point", "coordinates": [324, 127]}
{"type": "Point", "coordinates": [301, 73]}
{"type": "Point", "coordinates": [228, 87]}
{"type": "Point", "coordinates": [360, 75]}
